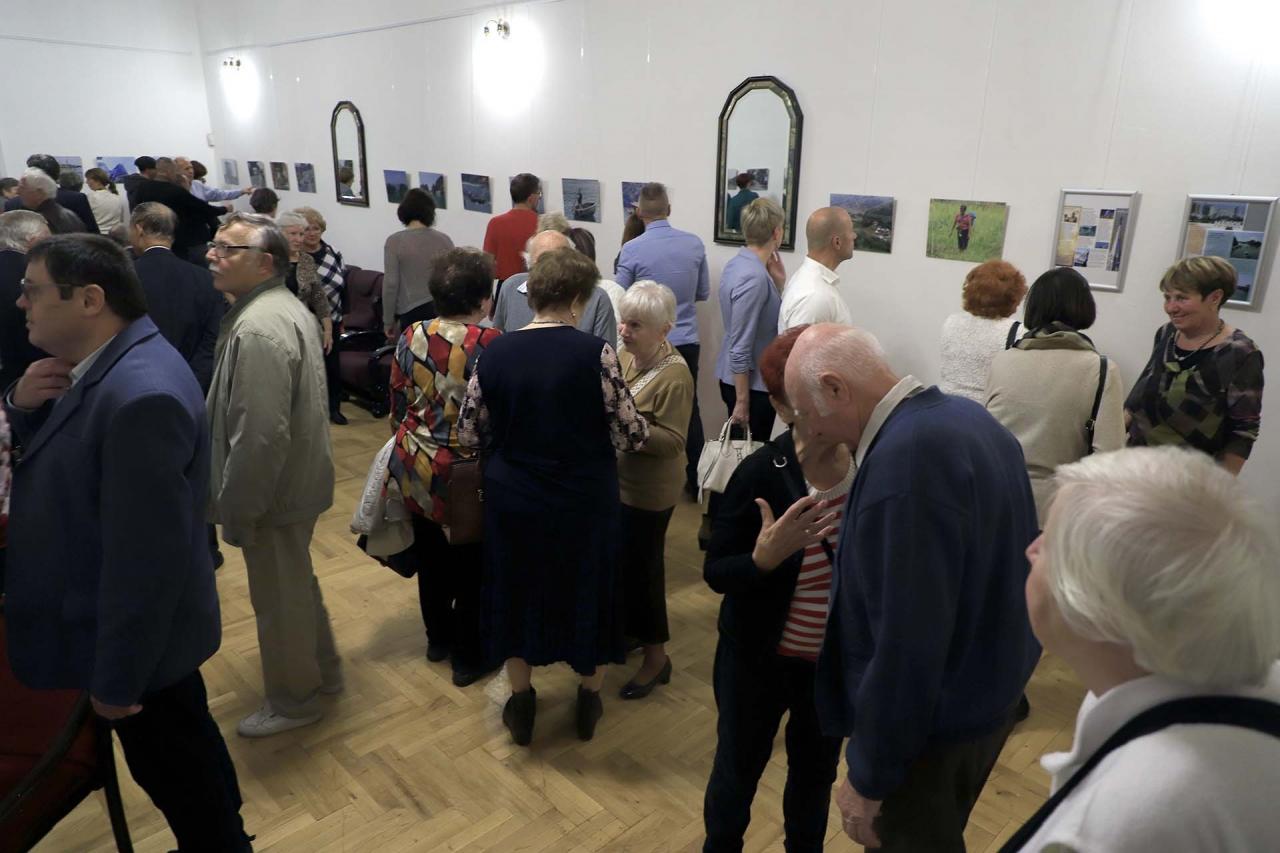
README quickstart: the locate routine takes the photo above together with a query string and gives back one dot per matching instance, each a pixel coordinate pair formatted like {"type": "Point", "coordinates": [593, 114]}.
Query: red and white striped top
{"type": "Point", "coordinates": [807, 617]}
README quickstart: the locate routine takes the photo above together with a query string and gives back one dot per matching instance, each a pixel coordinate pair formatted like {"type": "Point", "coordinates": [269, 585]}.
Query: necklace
{"type": "Point", "coordinates": [1205, 343]}
{"type": "Point", "coordinates": [549, 322]}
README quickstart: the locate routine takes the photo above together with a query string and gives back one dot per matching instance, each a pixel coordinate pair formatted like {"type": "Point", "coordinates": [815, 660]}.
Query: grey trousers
{"type": "Point", "coordinates": [295, 638]}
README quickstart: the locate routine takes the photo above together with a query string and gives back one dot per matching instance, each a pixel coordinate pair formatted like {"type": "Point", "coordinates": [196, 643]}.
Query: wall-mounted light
{"type": "Point", "coordinates": [231, 63]}
{"type": "Point", "coordinates": [502, 27]}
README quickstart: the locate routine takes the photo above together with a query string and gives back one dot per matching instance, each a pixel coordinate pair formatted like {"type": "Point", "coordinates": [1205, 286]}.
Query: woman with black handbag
{"type": "Point", "coordinates": [434, 362]}
{"type": "Point", "coordinates": [771, 554]}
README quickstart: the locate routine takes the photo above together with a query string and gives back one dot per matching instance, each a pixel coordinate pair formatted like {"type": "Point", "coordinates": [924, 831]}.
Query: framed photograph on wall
{"type": "Point", "coordinates": [1236, 228]}
{"type": "Point", "coordinates": [1093, 234]}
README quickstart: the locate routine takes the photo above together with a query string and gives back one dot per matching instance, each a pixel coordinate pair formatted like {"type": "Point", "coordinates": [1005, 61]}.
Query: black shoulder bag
{"type": "Point", "coordinates": [1013, 335]}
{"type": "Point", "coordinates": [1255, 714]}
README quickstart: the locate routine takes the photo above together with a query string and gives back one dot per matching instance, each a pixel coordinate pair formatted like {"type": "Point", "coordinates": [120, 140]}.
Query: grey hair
{"type": "Point", "coordinates": [20, 228]}
{"type": "Point", "coordinates": [554, 221]}
{"type": "Point", "coordinates": [155, 219]}
{"type": "Point", "coordinates": [1162, 551]}
{"type": "Point", "coordinates": [291, 219]}
{"type": "Point", "coordinates": [37, 179]}
{"type": "Point", "coordinates": [652, 302]}
{"type": "Point", "coordinates": [264, 235]}
{"type": "Point", "coordinates": [541, 237]}
{"type": "Point", "coordinates": [853, 353]}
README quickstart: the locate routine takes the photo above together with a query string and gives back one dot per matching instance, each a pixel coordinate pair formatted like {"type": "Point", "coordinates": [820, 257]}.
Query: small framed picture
{"type": "Point", "coordinates": [1093, 233]}
{"type": "Point", "coordinates": [1236, 228]}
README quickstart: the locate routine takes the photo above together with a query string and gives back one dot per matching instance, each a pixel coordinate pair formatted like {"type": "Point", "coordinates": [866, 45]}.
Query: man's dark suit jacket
{"type": "Point", "coordinates": [77, 203]}
{"type": "Point", "coordinates": [197, 220]}
{"type": "Point", "coordinates": [184, 306]}
{"type": "Point", "coordinates": [109, 580]}
{"type": "Point", "coordinates": [16, 351]}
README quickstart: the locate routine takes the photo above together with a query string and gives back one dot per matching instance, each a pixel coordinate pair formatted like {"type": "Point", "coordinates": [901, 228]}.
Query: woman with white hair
{"type": "Point", "coordinates": [303, 280]}
{"type": "Point", "coordinates": [1155, 580]}
{"type": "Point", "coordinates": [650, 479]}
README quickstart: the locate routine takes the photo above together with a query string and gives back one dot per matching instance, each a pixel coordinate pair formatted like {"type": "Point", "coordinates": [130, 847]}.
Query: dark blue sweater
{"type": "Point", "coordinates": [928, 638]}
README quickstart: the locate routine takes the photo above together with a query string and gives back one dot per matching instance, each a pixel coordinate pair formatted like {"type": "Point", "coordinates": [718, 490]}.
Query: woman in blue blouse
{"type": "Point", "coordinates": [750, 297]}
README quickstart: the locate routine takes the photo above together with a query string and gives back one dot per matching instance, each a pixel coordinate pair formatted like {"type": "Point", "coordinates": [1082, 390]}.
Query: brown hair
{"type": "Point", "coordinates": [1202, 275]}
{"type": "Point", "coordinates": [561, 277]}
{"type": "Point", "coordinates": [773, 361]}
{"type": "Point", "coordinates": [101, 176]}
{"type": "Point", "coordinates": [994, 290]}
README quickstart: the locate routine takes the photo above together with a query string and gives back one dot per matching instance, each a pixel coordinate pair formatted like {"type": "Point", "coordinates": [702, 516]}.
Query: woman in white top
{"type": "Point", "coordinates": [585, 242]}
{"type": "Point", "coordinates": [1155, 580]}
{"type": "Point", "coordinates": [1044, 388]}
{"type": "Point", "coordinates": [107, 204]}
{"type": "Point", "coordinates": [972, 337]}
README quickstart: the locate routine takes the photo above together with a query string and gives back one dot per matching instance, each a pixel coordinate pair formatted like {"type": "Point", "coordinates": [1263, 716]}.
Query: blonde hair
{"type": "Point", "coordinates": [1203, 275]}
{"type": "Point", "coordinates": [759, 220]}
{"type": "Point", "coordinates": [313, 217]}
{"type": "Point", "coordinates": [652, 302]}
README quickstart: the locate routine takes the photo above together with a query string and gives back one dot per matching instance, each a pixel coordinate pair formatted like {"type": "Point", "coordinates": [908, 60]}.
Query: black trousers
{"type": "Point", "coordinates": [425, 311]}
{"type": "Point", "coordinates": [931, 809]}
{"type": "Point", "coordinates": [177, 755]}
{"type": "Point", "coordinates": [962, 240]}
{"type": "Point", "coordinates": [332, 375]}
{"type": "Point", "coordinates": [449, 593]}
{"type": "Point", "coordinates": [644, 573]}
{"type": "Point", "coordinates": [752, 692]}
{"type": "Point", "coordinates": [695, 439]}
{"type": "Point", "coordinates": [760, 412]}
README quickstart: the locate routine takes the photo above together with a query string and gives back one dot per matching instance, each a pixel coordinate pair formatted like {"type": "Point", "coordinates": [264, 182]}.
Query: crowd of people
{"type": "Point", "coordinates": [891, 563]}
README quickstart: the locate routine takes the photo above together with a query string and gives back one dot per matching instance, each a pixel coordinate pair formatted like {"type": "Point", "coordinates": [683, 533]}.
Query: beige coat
{"type": "Point", "coordinates": [1042, 390]}
{"type": "Point", "coordinates": [268, 414]}
{"type": "Point", "coordinates": [652, 477]}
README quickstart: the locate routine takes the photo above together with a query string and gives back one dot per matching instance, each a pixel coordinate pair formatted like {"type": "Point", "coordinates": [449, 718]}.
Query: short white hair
{"type": "Point", "coordinates": [20, 228]}
{"type": "Point", "coordinates": [853, 353]}
{"type": "Point", "coordinates": [650, 302]}
{"type": "Point", "coordinates": [543, 236]}
{"type": "Point", "coordinates": [38, 180]}
{"type": "Point", "coordinates": [1160, 550]}
{"type": "Point", "coordinates": [291, 219]}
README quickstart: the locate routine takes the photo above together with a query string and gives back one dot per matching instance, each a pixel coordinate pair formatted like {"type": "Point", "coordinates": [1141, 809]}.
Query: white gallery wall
{"type": "Point", "coordinates": [116, 78]}
{"type": "Point", "coordinates": [1000, 100]}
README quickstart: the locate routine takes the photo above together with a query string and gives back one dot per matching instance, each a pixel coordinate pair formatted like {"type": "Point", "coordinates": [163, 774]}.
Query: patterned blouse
{"type": "Point", "coordinates": [433, 364]}
{"type": "Point", "coordinates": [628, 430]}
{"type": "Point", "coordinates": [1210, 400]}
{"type": "Point", "coordinates": [332, 274]}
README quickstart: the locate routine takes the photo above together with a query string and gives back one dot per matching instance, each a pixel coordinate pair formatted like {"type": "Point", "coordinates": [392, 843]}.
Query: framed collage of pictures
{"type": "Point", "coordinates": [1236, 228]}
{"type": "Point", "coordinates": [1094, 232]}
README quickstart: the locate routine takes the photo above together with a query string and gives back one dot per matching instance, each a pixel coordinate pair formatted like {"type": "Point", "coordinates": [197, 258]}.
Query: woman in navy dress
{"type": "Point", "coordinates": [548, 406]}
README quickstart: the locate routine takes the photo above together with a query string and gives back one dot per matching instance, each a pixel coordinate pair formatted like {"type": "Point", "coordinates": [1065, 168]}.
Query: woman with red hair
{"type": "Point", "coordinates": [973, 337]}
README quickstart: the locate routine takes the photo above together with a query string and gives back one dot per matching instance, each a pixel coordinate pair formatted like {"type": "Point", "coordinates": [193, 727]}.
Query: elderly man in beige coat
{"type": "Point", "coordinates": [272, 466]}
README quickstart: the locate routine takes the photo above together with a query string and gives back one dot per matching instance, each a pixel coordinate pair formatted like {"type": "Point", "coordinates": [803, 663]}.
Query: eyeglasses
{"type": "Point", "coordinates": [30, 287]}
{"type": "Point", "coordinates": [221, 249]}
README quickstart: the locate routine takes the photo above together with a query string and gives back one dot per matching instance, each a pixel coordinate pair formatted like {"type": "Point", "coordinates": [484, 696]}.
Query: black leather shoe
{"type": "Point", "coordinates": [590, 710]}
{"type": "Point", "coordinates": [1024, 709]}
{"type": "Point", "coordinates": [338, 418]}
{"type": "Point", "coordinates": [437, 652]}
{"type": "Point", "coordinates": [632, 690]}
{"type": "Point", "coordinates": [466, 677]}
{"type": "Point", "coordinates": [518, 714]}
{"type": "Point", "coordinates": [218, 560]}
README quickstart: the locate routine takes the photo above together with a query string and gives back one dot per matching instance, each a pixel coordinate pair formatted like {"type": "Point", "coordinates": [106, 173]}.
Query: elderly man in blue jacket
{"type": "Point", "coordinates": [928, 645]}
{"type": "Point", "coordinates": [110, 586]}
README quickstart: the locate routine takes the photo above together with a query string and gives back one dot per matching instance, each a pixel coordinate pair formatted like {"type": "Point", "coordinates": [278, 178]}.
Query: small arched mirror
{"type": "Point", "coordinates": [349, 171]}
{"type": "Point", "coordinates": [758, 155]}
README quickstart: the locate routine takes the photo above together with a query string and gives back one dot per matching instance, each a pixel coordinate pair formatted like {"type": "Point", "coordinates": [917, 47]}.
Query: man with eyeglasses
{"type": "Point", "coordinates": [272, 466]}
{"type": "Point", "coordinates": [109, 585]}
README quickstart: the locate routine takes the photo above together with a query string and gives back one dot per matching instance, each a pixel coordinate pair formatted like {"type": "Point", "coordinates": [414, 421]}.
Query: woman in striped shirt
{"type": "Point", "coordinates": [772, 544]}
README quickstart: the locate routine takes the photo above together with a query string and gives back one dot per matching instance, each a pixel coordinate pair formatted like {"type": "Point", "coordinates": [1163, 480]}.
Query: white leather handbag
{"type": "Point", "coordinates": [720, 458]}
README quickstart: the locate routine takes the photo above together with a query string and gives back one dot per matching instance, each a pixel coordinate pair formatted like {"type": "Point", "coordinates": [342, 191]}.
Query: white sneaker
{"type": "Point", "coordinates": [265, 722]}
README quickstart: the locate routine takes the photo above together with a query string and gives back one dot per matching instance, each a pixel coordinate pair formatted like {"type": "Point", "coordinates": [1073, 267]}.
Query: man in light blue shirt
{"type": "Point", "coordinates": [679, 260]}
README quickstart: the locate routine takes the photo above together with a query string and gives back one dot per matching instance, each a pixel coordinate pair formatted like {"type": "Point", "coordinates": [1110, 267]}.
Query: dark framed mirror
{"type": "Point", "coordinates": [350, 173]}
{"type": "Point", "coordinates": [758, 154]}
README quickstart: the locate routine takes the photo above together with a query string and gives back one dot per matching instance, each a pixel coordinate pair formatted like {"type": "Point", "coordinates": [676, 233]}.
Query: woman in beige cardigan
{"type": "Point", "coordinates": [651, 479]}
{"type": "Point", "coordinates": [1043, 388]}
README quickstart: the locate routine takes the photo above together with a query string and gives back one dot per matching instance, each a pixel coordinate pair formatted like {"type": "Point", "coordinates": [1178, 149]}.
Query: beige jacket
{"type": "Point", "coordinates": [268, 414]}
{"type": "Point", "coordinates": [1042, 390]}
{"type": "Point", "coordinates": [652, 477]}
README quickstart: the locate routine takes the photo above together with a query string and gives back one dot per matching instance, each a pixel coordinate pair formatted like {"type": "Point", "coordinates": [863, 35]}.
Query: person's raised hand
{"type": "Point", "coordinates": [46, 379]}
{"type": "Point", "coordinates": [806, 522]}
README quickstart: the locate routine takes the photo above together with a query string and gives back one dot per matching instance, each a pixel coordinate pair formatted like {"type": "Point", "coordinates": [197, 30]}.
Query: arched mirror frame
{"type": "Point", "coordinates": [790, 181]}
{"type": "Point", "coordinates": [363, 199]}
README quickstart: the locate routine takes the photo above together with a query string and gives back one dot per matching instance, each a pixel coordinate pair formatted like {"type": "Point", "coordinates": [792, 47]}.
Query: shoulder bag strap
{"type": "Point", "coordinates": [1255, 714]}
{"type": "Point", "coordinates": [1013, 335]}
{"type": "Point", "coordinates": [1091, 425]}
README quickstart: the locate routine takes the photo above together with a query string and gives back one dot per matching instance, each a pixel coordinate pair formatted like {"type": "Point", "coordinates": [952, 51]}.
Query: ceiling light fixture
{"type": "Point", "coordinates": [502, 27]}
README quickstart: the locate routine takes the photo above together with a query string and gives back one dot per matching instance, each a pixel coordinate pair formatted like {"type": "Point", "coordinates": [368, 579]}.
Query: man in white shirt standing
{"type": "Point", "coordinates": [812, 296]}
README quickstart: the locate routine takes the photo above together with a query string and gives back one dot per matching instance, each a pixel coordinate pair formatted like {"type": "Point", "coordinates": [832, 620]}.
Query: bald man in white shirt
{"type": "Point", "coordinates": [812, 294]}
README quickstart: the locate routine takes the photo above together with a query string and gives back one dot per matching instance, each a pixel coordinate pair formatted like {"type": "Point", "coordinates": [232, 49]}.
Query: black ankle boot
{"type": "Point", "coordinates": [517, 716]}
{"type": "Point", "coordinates": [590, 710]}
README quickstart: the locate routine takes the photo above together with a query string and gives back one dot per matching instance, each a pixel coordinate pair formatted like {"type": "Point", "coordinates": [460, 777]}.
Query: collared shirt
{"type": "Point", "coordinates": [749, 304]}
{"type": "Point", "coordinates": [908, 386]}
{"type": "Point", "coordinates": [811, 296]}
{"type": "Point", "coordinates": [203, 191]}
{"type": "Point", "coordinates": [677, 259]}
{"type": "Point", "coordinates": [78, 372]}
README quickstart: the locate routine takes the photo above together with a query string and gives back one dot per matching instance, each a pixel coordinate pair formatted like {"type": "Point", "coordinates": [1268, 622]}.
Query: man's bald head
{"type": "Point", "coordinates": [835, 377]}
{"type": "Point", "coordinates": [546, 241]}
{"type": "Point", "coordinates": [830, 235]}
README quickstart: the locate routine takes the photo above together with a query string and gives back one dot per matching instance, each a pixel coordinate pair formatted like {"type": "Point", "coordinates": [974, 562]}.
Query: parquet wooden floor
{"type": "Point", "coordinates": [405, 761]}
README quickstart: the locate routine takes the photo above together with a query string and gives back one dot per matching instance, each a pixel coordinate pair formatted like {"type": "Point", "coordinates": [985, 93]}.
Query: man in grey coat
{"type": "Point", "coordinates": [513, 312]}
{"type": "Point", "coordinates": [272, 466]}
